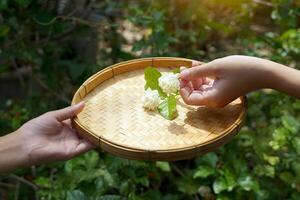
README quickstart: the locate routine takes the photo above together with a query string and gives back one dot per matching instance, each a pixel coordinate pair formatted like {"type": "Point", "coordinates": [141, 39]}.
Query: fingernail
{"type": "Point", "coordinates": [184, 74]}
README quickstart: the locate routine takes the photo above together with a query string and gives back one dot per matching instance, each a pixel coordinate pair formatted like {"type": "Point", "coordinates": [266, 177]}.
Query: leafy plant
{"type": "Point", "coordinates": [167, 107]}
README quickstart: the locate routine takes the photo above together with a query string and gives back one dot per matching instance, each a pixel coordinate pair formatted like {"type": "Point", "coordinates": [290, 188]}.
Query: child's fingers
{"type": "Point", "coordinates": [185, 83]}
{"type": "Point", "coordinates": [193, 97]}
{"type": "Point", "coordinates": [196, 84]}
{"type": "Point", "coordinates": [82, 147]}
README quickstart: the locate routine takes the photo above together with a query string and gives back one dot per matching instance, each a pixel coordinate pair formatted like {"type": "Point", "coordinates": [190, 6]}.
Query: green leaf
{"type": "Point", "coordinates": [151, 76]}
{"type": "Point", "coordinates": [280, 138]}
{"type": "Point", "coordinates": [187, 185]}
{"type": "Point", "coordinates": [23, 3]}
{"type": "Point", "coordinates": [296, 144]}
{"type": "Point", "coordinates": [227, 181]}
{"type": "Point", "coordinates": [91, 159]}
{"type": "Point", "coordinates": [290, 123]}
{"type": "Point", "coordinates": [75, 195]}
{"type": "Point", "coordinates": [287, 177]}
{"type": "Point", "coordinates": [152, 194]}
{"type": "Point", "coordinates": [4, 30]}
{"type": "Point", "coordinates": [203, 172]}
{"type": "Point", "coordinates": [164, 166]}
{"type": "Point", "coordinates": [167, 108]}
{"type": "Point", "coordinates": [176, 71]}
{"type": "Point", "coordinates": [265, 170]}
{"type": "Point", "coordinates": [211, 159]}
{"type": "Point", "coordinates": [139, 45]}
{"type": "Point", "coordinates": [247, 183]}
{"type": "Point", "coordinates": [219, 185]}
{"type": "Point", "coordinates": [143, 181]}
{"type": "Point", "coordinates": [3, 4]}
{"type": "Point", "coordinates": [110, 197]}
{"type": "Point", "coordinates": [272, 160]}
{"type": "Point", "coordinates": [133, 196]}
{"type": "Point", "coordinates": [43, 182]}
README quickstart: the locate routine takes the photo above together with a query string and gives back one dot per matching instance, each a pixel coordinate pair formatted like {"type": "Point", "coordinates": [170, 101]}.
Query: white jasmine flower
{"type": "Point", "coordinates": [151, 99]}
{"type": "Point", "coordinates": [169, 83]}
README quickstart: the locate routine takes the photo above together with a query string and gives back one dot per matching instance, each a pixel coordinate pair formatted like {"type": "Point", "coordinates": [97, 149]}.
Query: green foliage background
{"type": "Point", "coordinates": [49, 47]}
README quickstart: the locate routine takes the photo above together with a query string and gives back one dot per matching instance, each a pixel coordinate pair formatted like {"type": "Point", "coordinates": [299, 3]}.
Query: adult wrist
{"type": "Point", "coordinates": [12, 152]}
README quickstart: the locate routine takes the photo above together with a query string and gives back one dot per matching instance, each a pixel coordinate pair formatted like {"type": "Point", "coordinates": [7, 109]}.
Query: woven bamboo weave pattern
{"type": "Point", "coordinates": [115, 112]}
{"type": "Point", "coordinates": [114, 117]}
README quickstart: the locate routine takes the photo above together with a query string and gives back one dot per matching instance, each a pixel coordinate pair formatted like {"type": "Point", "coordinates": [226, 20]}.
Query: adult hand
{"type": "Point", "coordinates": [44, 139]}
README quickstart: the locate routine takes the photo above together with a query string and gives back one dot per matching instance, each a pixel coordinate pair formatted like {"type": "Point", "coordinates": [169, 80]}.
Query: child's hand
{"type": "Point", "coordinates": [50, 137]}
{"type": "Point", "coordinates": [232, 77]}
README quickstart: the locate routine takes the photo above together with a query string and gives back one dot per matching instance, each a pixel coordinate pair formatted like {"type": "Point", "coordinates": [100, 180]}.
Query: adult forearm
{"type": "Point", "coordinates": [284, 79]}
{"type": "Point", "coordinates": [12, 155]}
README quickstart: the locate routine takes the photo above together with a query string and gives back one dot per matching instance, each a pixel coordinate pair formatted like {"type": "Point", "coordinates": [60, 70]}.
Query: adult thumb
{"type": "Point", "coordinates": [200, 71]}
{"type": "Point", "coordinates": [69, 112]}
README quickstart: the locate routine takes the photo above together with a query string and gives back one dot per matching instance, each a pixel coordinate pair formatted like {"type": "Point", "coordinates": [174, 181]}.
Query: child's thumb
{"type": "Point", "coordinates": [197, 72]}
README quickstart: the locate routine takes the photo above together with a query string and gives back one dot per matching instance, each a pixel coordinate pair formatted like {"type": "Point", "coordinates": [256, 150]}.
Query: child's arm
{"type": "Point", "coordinates": [234, 76]}
{"type": "Point", "coordinates": [44, 139]}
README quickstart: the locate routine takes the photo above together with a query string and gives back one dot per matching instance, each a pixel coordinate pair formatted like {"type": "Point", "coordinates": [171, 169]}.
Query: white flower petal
{"type": "Point", "coordinates": [151, 99]}
{"type": "Point", "coordinates": [169, 83]}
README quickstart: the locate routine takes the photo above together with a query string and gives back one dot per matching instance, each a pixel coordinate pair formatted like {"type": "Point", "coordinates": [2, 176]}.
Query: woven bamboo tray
{"type": "Point", "coordinates": [114, 118]}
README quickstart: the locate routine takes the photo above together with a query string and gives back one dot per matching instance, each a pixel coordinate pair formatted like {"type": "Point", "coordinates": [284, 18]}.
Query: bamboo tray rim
{"type": "Point", "coordinates": [234, 127]}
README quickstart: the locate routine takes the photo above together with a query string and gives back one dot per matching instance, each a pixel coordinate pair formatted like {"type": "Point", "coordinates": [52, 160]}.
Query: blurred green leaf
{"type": "Point", "coordinates": [290, 123]}
{"type": "Point", "coordinates": [3, 4]}
{"type": "Point", "coordinates": [247, 183]}
{"type": "Point", "coordinates": [226, 181]}
{"type": "Point", "coordinates": [203, 172]}
{"type": "Point", "coordinates": [110, 197]}
{"type": "Point", "coordinates": [287, 177]}
{"type": "Point", "coordinates": [220, 185]}
{"type": "Point", "coordinates": [176, 71]}
{"type": "Point", "coordinates": [75, 195]}
{"type": "Point", "coordinates": [4, 30]}
{"type": "Point", "coordinates": [164, 166]}
{"type": "Point", "coordinates": [272, 160]}
{"type": "Point", "coordinates": [43, 182]}
{"type": "Point", "coordinates": [265, 170]}
{"type": "Point", "coordinates": [296, 144]}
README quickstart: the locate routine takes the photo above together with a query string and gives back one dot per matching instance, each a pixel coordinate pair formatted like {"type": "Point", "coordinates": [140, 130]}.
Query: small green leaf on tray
{"type": "Point", "coordinates": [176, 71]}
{"type": "Point", "coordinates": [167, 107]}
{"type": "Point", "coordinates": [151, 76]}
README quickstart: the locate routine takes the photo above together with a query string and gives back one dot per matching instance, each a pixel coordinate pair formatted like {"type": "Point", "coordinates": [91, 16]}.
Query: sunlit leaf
{"type": "Point", "coordinates": [167, 108]}
{"type": "Point", "coordinates": [151, 76]}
